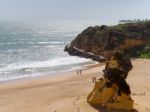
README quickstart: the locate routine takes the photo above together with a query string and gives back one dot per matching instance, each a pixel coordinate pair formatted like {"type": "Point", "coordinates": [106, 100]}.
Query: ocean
{"type": "Point", "coordinates": [31, 49]}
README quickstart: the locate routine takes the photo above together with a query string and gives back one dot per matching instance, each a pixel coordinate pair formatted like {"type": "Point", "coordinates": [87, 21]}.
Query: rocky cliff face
{"type": "Point", "coordinates": [102, 40]}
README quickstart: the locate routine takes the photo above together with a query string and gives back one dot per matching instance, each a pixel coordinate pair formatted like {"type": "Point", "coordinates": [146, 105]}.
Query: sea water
{"type": "Point", "coordinates": [28, 49]}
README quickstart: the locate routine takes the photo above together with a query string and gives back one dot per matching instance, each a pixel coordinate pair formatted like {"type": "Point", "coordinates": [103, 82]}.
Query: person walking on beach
{"type": "Point", "coordinates": [79, 72]}
{"type": "Point", "coordinates": [94, 79]}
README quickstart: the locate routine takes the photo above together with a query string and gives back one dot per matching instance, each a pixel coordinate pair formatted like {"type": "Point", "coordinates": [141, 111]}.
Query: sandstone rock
{"type": "Point", "coordinates": [102, 40]}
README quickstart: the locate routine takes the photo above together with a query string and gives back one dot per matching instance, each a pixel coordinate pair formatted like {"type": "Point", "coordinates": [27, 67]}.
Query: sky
{"type": "Point", "coordinates": [48, 10]}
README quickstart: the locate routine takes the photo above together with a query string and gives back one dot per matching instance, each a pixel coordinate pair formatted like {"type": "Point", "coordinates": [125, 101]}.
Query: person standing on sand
{"type": "Point", "coordinates": [80, 72]}
{"type": "Point", "coordinates": [94, 79]}
{"type": "Point", "coordinates": [77, 72]}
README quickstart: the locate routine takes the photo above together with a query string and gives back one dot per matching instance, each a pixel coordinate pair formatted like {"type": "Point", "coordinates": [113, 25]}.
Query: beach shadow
{"type": "Point", "coordinates": [104, 109]}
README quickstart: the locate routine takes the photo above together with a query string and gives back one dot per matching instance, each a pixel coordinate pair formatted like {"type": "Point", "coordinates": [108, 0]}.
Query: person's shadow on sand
{"type": "Point", "coordinates": [103, 109]}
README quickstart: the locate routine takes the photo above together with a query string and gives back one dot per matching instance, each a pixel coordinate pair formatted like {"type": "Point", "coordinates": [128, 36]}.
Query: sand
{"type": "Point", "coordinates": [67, 92]}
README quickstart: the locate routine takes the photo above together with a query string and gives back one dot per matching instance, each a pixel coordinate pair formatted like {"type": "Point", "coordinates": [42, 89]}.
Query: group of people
{"type": "Point", "coordinates": [79, 72]}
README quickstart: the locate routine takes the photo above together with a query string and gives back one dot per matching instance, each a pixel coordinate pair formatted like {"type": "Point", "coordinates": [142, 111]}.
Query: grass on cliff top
{"type": "Point", "coordinates": [145, 55]}
{"type": "Point", "coordinates": [146, 52]}
{"type": "Point", "coordinates": [124, 25]}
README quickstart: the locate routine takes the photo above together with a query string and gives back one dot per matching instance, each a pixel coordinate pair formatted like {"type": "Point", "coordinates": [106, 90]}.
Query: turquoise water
{"type": "Point", "coordinates": [29, 49]}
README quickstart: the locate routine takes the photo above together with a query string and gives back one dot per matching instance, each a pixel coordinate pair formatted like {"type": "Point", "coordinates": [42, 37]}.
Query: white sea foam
{"type": "Point", "coordinates": [57, 62]}
{"type": "Point", "coordinates": [52, 42]}
{"type": "Point", "coordinates": [14, 43]}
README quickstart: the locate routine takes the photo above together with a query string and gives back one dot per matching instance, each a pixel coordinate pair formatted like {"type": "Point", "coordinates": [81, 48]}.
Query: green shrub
{"type": "Point", "coordinates": [145, 55]}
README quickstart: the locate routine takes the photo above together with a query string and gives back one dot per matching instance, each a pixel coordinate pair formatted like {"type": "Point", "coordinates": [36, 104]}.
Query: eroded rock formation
{"type": "Point", "coordinates": [102, 40]}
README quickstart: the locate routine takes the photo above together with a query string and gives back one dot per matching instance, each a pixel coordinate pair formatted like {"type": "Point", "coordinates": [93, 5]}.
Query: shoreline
{"type": "Point", "coordinates": [52, 76]}
{"type": "Point", "coordinates": [67, 92]}
{"type": "Point", "coordinates": [51, 73]}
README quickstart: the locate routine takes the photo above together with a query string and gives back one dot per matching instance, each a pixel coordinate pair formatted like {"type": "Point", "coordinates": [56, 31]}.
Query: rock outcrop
{"type": "Point", "coordinates": [102, 40]}
{"type": "Point", "coordinates": [81, 53]}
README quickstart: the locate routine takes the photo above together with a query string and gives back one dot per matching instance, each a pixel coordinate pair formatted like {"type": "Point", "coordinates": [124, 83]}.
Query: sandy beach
{"type": "Point", "coordinates": [67, 92]}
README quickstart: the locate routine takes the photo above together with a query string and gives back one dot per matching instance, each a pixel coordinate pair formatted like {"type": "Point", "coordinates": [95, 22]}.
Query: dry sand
{"type": "Point", "coordinates": [67, 92]}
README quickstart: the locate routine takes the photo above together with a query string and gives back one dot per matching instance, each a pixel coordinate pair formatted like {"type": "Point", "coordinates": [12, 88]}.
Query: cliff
{"type": "Point", "coordinates": [132, 38]}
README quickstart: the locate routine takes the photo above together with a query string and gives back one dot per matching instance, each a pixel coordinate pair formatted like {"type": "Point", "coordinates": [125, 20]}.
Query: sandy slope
{"type": "Point", "coordinates": [67, 93]}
